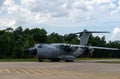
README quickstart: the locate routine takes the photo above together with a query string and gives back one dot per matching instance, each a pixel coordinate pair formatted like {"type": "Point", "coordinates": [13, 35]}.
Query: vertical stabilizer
{"type": "Point", "coordinates": [86, 34]}
{"type": "Point", "coordinates": [85, 37]}
{"type": "Point", "coordinates": [84, 40]}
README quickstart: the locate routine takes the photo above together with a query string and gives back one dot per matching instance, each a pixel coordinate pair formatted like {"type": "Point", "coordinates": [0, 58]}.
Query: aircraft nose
{"type": "Point", "coordinates": [32, 51]}
{"type": "Point", "coordinates": [26, 50]}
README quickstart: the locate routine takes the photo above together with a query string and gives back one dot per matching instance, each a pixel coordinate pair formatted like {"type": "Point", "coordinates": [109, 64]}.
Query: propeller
{"type": "Point", "coordinates": [88, 51]}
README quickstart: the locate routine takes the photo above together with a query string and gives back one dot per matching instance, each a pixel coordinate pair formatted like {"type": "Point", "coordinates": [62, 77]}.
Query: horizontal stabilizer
{"type": "Point", "coordinates": [91, 32]}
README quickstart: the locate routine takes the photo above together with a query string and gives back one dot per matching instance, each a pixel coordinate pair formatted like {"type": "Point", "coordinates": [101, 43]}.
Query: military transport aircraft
{"type": "Point", "coordinates": [62, 51]}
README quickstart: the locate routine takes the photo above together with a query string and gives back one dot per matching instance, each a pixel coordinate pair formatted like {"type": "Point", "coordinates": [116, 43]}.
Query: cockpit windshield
{"type": "Point", "coordinates": [40, 46]}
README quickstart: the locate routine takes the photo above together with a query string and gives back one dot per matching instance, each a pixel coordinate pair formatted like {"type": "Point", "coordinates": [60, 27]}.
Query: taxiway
{"type": "Point", "coordinates": [59, 70]}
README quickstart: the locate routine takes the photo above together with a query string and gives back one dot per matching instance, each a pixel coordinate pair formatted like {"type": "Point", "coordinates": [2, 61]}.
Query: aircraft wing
{"type": "Point", "coordinates": [95, 47]}
{"type": "Point", "coordinates": [106, 48]}
{"type": "Point", "coordinates": [67, 46]}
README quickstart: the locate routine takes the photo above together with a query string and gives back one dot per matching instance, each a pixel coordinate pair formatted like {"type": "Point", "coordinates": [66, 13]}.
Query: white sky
{"type": "Point", "coordinates": [63, 16]}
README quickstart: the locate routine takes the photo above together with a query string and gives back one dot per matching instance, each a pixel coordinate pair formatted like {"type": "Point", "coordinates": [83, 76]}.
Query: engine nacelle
{"type": "Point", "coordinates": [89, 51]}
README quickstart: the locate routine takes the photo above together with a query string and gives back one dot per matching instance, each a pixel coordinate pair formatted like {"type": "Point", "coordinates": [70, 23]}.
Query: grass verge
{"type": "Point", "coordinates": [111, 62]}
{"type": "Point", "coordinates": [19, 60]}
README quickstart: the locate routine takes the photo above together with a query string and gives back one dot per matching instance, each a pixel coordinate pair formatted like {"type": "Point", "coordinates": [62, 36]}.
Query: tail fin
{"type": "Point", "coordinates": [86, 34]}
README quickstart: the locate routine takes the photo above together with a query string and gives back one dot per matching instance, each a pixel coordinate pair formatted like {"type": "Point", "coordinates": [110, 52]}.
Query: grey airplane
{"type": "Point", "coordinates": [62, 51]}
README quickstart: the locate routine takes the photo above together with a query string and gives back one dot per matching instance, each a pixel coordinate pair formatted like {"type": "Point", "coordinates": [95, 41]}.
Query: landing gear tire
{"type": "Point", "coordinates": [40, 59]}
{"type": "Point", "coordinates": [55, 60]}
{"type": "Point", "coordinates": [68, 60]}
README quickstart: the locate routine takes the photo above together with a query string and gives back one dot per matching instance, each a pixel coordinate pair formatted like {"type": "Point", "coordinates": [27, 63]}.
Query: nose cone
{"type": "Point", "coordinates": [31, 51]}
{"type": "Point", "coordinates": [26, 50]}
{"type": "Point", "coordinates": [34, 52]}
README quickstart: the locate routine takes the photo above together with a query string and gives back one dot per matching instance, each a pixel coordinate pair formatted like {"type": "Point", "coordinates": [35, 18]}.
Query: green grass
{"type": "Point", "coordinates": [107, 60]}
{"type": "Point", "coordinates": [20, 60]}
{"type": "Point", "coordinates": [103, 60]}
{"type": "Point", "coordinates": [95, 58]}
{"type": "Point", "coordinates": [111, 62]}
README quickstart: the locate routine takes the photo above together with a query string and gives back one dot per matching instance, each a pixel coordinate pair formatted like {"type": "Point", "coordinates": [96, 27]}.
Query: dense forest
{"type": "Point", "coordinates": [13, 42]}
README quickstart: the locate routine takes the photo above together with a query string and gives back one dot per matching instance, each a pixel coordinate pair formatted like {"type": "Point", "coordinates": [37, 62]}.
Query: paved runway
{"type": "Point", "coordinates": [59, 70]}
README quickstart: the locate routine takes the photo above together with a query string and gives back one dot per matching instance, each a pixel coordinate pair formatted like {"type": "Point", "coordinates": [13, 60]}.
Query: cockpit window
{"type": "Point", "coordinates": [40, 46]}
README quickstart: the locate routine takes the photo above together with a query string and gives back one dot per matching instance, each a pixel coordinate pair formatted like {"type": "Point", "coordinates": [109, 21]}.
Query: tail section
{"type": "Point", "coordinates": [84, 40]}
{"type": "Point", "coordinates": [86, 34]}
{"type": "Point", "coordinates": [85, 37]}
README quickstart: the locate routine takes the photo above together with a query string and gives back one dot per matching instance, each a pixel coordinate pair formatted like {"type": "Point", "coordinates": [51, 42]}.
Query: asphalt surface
{"type": "Point", "coordinates": [59, 70]}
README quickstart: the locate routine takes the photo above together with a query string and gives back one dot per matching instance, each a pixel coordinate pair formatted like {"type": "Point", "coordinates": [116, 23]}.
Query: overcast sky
{"type": "Point", "coordinates": [63, 16]}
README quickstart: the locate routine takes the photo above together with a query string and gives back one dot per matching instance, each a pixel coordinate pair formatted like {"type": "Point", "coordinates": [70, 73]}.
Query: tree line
{"type": "Point", "coordinates": [13, 42]}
